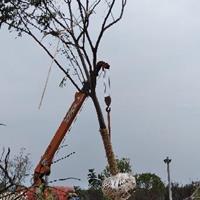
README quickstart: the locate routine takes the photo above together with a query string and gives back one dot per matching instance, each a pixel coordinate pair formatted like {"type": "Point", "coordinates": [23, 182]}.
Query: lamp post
{"type": "Point", "coordinates": [167, 161]}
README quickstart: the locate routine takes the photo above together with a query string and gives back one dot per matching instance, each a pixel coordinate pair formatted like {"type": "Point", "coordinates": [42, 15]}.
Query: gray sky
{"type": "Point", "coordinates": [154, 55]}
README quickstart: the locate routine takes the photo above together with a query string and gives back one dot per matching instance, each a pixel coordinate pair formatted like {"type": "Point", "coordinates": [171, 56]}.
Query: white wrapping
{"type": "Point", "coordinates": [118, 187]}
{"type": "Point", "coordinates": [12, 196]}
{"type": "Point", "coordinates": [106, 83]}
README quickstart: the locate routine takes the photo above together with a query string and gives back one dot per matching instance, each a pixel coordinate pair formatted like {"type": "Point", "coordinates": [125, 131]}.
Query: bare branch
{"type": "Point", "coordinates": [57, 63]}
{"type": "Point", "coordinates": [104, 27]}
{"type": "Point", "coordinates": [120, 16]}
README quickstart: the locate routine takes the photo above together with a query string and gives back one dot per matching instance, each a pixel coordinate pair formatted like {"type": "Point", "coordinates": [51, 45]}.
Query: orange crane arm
{"type": "Point", "coordinates": [44, 165]}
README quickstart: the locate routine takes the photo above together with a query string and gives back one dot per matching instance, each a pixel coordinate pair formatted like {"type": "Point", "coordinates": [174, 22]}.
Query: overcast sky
{"type": "Point", "coordinates": [155, 70]}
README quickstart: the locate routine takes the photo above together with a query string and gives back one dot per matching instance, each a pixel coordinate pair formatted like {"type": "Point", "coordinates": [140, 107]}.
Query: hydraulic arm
{"type": "Point", "coordinates": [44, 166]}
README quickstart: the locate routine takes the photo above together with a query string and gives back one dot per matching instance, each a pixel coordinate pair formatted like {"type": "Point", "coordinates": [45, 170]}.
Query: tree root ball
{"type": "Point", "coordinates": [119, 187]}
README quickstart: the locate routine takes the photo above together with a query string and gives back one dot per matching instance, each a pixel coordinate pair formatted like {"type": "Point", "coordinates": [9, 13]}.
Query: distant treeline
{"type": "Point", "coordinates": [179, 192]}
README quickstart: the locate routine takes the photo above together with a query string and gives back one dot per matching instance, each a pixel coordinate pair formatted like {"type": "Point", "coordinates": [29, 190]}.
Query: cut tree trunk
{"type": "Point", "coordinates": [105, 137]}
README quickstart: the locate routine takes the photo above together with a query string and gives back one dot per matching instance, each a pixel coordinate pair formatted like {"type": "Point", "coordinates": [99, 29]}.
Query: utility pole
{"type": "Point", "coordinates": [167, 161]}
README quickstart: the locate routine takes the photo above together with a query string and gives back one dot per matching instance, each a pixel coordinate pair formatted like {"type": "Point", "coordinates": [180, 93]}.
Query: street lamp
{"type": "Point", "coordinates": [167, 161]}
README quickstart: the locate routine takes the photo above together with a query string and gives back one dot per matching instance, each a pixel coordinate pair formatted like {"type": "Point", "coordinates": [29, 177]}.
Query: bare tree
{"type": "Point", "coordinates": [70, 22]}
{"type": "Point", "coordinates": [78, 28]}
{"type": "Point", "coordinates": [13, 171]}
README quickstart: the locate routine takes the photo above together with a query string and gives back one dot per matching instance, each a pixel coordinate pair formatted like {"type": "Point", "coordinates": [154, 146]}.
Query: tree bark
{"type": "Point", "coordinates": [105, 137]}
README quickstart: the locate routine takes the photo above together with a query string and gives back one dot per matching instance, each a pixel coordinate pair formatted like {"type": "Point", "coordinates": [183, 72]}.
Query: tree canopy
{"type": "Point", "coordinates": [73, 23]}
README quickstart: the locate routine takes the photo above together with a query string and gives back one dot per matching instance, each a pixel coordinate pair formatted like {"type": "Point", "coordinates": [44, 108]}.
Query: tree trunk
{"type": "Point", "coordinates": [105, 137]}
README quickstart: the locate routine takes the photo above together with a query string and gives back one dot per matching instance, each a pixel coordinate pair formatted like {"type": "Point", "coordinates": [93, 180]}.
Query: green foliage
{"type": "Point", "coordinates": [149, 181]}
{"type": "Point", "coordinates": [123, 165]}
{"type": "Point", "coordinates": [94, 180]}
{"type": "Point", "coordinates": [91, 194]}
{"type": "Point", "coordinates": [94, 183]}
{"type": "Point", "coordinates": [181, 192]}
{"type": "Point", "coordinates": [22, 16]}
{"type": "Point", "coordinates": [196, 194]}
{"type": "Point", "coordinates": [149, 187]}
